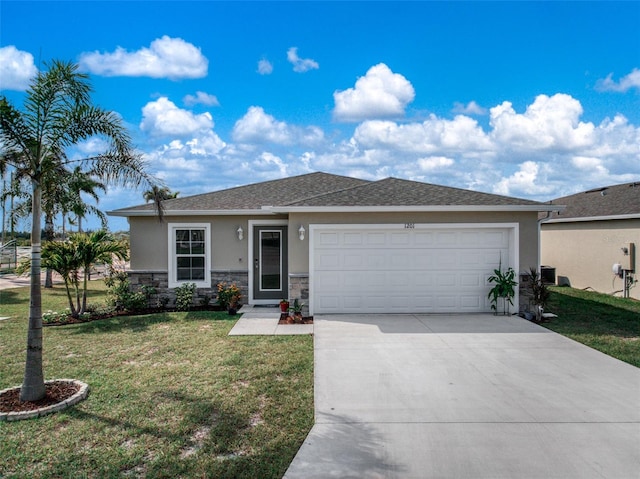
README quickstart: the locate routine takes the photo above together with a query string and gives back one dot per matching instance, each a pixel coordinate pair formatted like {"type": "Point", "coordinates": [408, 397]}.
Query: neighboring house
{"type": "Point", "coordinates": [598, 228]}
{"type": "Point", "coordinates": [341, 245]}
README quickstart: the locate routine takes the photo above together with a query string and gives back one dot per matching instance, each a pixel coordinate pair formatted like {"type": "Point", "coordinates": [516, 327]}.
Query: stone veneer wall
{"type": "Point", "coordinates": [299, 289]}
{"type": "Point", "coordinates": [524, 289]}
{"type": "Point", "coordinates": [160, 281]}
{"type": "Point", "coordinates": [298, 286]}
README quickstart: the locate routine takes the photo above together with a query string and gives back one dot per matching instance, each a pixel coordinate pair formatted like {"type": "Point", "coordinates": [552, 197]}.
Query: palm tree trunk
{"type": "Point", "coordinates": [33, 384]}
{"type": "Point", "coordinates": [49, 236]}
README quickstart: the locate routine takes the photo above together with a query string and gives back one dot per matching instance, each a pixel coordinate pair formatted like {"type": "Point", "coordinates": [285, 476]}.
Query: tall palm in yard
{"type": "Point", "coordinates": [56, 115]}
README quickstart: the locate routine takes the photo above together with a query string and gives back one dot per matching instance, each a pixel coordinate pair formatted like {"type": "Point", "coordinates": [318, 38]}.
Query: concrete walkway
{"type": "Point", "coordinates": [466, 396]}
{"type": "Point", "coordinates": [263, 321]}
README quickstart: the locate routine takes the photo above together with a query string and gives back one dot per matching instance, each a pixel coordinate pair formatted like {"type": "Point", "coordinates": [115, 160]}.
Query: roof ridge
{"type": "Point", "coordinates": [333, 192]}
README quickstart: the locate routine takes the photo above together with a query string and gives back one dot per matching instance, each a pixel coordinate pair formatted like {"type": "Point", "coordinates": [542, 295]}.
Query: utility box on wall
{"type": "Point", "coordinates": [629, 260]}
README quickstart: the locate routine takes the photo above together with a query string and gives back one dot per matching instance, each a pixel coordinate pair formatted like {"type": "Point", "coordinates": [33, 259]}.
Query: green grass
{"type": "Point", "coordinates": [171, 396]}
{"type": "Point", "coordinates": [606, 323]}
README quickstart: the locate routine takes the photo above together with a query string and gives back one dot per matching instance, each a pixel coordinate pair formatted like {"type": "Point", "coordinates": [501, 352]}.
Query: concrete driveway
{"type": "Point", "coordinates": [466, 396]}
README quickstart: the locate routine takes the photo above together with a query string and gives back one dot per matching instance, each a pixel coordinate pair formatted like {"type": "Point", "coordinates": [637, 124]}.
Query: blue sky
{"type": "Point", "coordinates": [528, 99]}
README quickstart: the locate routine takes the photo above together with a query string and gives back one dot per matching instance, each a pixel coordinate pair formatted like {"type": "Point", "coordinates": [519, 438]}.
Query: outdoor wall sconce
{"type": "Point", "coordinates": [240, 232]}
{"type": "Point", "coordinates": [301, 232]}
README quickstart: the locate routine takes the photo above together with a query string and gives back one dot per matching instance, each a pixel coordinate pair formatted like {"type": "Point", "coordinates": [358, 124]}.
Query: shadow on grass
{"type": "Point", "coordinates": [141, 322]}
{"type": "Point", "coordinates": [134, 324]}
{"type": "Point", "coordinates": [216, 444]}
{"type": "Point", "coordinates": [8, 296]}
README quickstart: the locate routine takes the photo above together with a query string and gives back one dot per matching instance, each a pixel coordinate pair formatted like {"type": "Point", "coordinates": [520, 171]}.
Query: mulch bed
{"type": "Point", "coordinates": [305, 320]}
{"type": "Point", "coordinates": [56, 392]}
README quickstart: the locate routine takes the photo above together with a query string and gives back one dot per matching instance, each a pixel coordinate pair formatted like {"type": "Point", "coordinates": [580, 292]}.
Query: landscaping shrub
{"type": "Point", "coordinates": [184, 296]}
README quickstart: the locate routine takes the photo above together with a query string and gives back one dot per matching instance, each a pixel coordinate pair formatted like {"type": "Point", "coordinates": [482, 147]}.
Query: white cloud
{"type": "Point", "coordinates": [525, 182]}
{"type": "Point", "coordinates": [16, 69]}
{"type": "Point", "coordinates": [300, 65]}
{"type": "Point", "coordinates": [434, 163]}
{"type": "Point", "coordinates": [265, 163]}
{"type": "Point", "coordinates": [201, 98]}
{"type": "Point", "coordinates": [265, 67]}
{"type": "Point", "coordinates": [162, 117]}
{"type": "Point", "coordinates": [379, 94]}
{"type": "Point", "coordinates": [462, 134]}
{"type": "Point", "coordinates": [549, 123]}
{"type": "Point", "coordinates": [471, 108]}
{"type": "Point", "coordinates": [632, 80]}
{"type": "Point", "coordinates": [257, 127]}
{"type": "Point", "coordinates": [166, 57]}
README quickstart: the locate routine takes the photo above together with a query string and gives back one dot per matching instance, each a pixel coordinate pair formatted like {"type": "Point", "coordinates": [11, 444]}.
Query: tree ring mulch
{"type": "Point", "coordinates": [60, 394]}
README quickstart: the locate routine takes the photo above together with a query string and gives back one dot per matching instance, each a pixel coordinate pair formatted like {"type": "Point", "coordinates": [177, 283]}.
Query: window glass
{"type": "Point", "coordinates": [190, 254]}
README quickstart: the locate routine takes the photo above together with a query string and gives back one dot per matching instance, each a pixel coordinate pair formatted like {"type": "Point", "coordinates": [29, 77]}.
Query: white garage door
{"type": "Point", "coordinates": [406, 268]}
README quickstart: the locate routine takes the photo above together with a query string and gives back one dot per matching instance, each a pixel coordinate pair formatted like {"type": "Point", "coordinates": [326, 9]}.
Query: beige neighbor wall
{"type": "Point", "coordinates": [299, 250]}
{"type": "Point", "coordinates": [584, 252]}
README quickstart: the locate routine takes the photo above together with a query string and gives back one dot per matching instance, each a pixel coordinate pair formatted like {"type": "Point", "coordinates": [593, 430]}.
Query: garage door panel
{"type": "Point", "coordinates": [351, 260]}
{"type": "Point", "coordinates": [328, 239]}
{"type": "Point", "coordinates": [446, 238]}
{"type": "Point", "coordinates": [495, 239]}
{"type": "Point", "coordinates": [328, 260]}
{"type": "Point", "coordinates": [351, 239]}
{"type": "Point", "coordinates": [401, 239]}
{"type": "Point", "coordinates": [472, 280]}
{"type": "Point", "coordinates": [424, 238]}
{"type": "Point", "coordinates": [414, 270]}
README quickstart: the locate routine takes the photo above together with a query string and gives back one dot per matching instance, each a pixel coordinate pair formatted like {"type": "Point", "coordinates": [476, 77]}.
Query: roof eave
{"type": "Point", "coordinates": [593, 218]}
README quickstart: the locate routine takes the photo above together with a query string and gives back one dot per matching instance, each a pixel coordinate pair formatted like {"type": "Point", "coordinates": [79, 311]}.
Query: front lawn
{"type": "Point", "coordinates": [171, 396]}
{"type": "Point", "coordinates": [606, 323]}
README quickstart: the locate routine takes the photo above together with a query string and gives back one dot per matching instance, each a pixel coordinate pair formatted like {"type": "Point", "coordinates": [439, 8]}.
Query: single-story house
{"type": "Point", "coordinates": [339, 244]}
{"type": "Point", "coordinates": [598, 229]}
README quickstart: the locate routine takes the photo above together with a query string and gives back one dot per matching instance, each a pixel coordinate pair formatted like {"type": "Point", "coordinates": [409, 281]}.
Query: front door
{"type": "Point", "coordinates": [270, 272]}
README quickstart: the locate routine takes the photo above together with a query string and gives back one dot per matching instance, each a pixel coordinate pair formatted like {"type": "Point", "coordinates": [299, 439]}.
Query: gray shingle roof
{"type": "Point", "coordinates": [254, 196]}
{"type": "Point", "coordinates": [612, 200]}
{"type": "Point", "coordinates": [397, 192]}
{"type": "Point", "coordinates": [327, 190]}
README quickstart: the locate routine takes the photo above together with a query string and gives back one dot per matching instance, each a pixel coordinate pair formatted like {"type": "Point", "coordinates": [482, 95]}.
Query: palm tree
{"type": "Point", "coordinates": [159, 193]}
{"type": "Point", "coordinates": [76, 257]}
{"type": "Point", "coordinates": [83, 182]}
{"type": "Point", "coordinates": [56, 115]}
{"type": "Point", "coordinates": [97, 247]}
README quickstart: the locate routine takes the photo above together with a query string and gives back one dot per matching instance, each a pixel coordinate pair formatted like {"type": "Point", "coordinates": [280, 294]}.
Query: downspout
{"type": "Point", "coordinates": [540, 221]}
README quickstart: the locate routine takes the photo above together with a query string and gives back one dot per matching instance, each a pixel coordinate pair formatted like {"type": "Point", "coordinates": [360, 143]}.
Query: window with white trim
{"type": "Point", "coordinates": [189, 256]}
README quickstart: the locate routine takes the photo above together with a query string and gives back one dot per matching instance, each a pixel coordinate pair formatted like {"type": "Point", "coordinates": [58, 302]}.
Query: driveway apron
{"type": "Point", "coordinates": [466, 396]}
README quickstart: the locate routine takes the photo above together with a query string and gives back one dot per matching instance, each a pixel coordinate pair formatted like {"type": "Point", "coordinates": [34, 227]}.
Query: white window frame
{"type": "Point", "coordinates": [173, 267]}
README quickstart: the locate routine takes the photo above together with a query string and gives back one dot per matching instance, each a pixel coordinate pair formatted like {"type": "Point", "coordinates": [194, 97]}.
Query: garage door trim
{"type": "Point", "coordinates": [513, 229]}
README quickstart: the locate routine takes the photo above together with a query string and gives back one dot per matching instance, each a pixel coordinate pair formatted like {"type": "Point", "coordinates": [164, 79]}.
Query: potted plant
{"type": "Point", "coordinates": [284, 305]}
{"type": "Point", "coordinates": [504, 288]}
{"type": "Point", "coordinates": [296, 309]}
